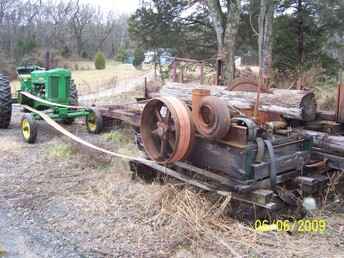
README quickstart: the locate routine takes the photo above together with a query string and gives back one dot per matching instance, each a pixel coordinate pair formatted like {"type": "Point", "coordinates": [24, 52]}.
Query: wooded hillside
{"type": "Point", "coordinates": [64, 28]}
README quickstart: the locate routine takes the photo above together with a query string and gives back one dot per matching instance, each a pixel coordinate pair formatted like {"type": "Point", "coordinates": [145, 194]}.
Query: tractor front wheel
{"type": "Point", "coordinates": [94, 122]}
{"type": "Point", "coordinates": [5, 102]}
{"type": "Point", "coordinates": [29, 128]}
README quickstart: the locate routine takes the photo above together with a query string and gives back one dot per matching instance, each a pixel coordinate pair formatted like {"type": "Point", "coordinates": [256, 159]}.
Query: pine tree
{"type": "Point", "coordinates": [139, 57]}
{"type": "Point", "coordinates": [100, 62]}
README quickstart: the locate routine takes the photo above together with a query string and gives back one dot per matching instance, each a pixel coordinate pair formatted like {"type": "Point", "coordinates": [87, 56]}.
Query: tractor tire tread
{"type": "Point", "coordinates": [99, 123]}
{"type": "Point", "coordinates": [73, 95]}
{"type": "Point", "coordinates": [33, 128]}
{"type": "Point", "coordinates": [5, 102]}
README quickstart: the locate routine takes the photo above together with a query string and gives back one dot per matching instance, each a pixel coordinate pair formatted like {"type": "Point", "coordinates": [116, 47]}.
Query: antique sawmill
{"type": "Point", "coordinates": [265, 149]}
{"type": "Point", "coordinates": [264, 146]}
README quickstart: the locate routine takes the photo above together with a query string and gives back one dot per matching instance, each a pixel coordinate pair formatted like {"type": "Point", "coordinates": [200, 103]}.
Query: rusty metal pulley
{"type": "Point", "coordinates": [249, 84]}
{"type": "Point", "coordinates": [166, 129]}
{"type": "Point", "coordinates": [212, 118]}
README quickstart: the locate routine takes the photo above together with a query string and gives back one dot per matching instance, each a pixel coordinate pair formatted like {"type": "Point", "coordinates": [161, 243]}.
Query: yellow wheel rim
{"type": "Point", "coordinates": [91, 122]}
{"type": "Point", "coordinates": [26, 129]}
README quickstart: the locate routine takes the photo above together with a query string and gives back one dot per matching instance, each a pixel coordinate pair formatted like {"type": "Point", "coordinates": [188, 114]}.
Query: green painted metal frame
{"type": "Point", "coordinates": [56, 84]}
{"type": "Point", "coordinates": [57, 115]}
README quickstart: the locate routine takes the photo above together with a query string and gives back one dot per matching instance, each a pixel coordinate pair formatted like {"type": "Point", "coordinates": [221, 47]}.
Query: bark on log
{"type": "Point", "coordinates": [291, 104]}
{"type": "Point", "coordinates": [328, 143]}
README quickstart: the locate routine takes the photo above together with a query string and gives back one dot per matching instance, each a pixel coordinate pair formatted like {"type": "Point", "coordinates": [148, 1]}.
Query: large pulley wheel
{"type": "Point", "coordinates": [166, 129]}
{"type": "Point", "coordinates": [213, 119]}
{"type": "Point", "coordinates": [5, 102]}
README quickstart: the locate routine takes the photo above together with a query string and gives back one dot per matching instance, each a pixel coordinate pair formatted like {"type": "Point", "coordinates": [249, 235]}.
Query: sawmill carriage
{"type": "Point", "coordinates": [214, 138]}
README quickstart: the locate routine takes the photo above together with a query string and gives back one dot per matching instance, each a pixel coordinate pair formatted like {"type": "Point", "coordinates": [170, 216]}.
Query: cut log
{"type": "Point", "coordinates": [327, 143]}
{"type": "Point", "coordinates": [291, 104]}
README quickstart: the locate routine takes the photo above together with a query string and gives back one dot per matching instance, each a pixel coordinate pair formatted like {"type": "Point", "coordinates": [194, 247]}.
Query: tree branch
{"type": "Point", "coordinates": [252, 27]}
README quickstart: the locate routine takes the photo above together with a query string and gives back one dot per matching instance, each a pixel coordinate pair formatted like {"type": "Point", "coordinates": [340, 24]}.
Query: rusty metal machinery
{"type": "Point", "coordinates": [249, 84]}
{"type": "Point", "coordinates": [166, 129]}
{"type": "Point", "coordinates": [234, 151]}
{"type": "Point", "coordinates": [232, 154]}
{"type": "Point", "coordinates": [212, 118]}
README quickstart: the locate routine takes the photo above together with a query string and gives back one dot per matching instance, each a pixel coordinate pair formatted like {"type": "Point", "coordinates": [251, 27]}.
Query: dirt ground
{"type": "Point", "coordinates": [58, 199]}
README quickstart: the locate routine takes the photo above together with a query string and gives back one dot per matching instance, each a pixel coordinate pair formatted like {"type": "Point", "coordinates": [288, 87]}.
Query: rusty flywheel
{"type": "Point", "coordinates": [166, 129]}
{"type": "Point", "coordinates": [249, 84]}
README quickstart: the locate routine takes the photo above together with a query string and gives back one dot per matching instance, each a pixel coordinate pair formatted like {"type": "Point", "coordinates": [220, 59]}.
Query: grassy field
{"type": "Point", "coordinates": [90, 80]}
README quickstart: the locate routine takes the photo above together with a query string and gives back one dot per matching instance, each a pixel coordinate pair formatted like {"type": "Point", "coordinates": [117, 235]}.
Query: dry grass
{"type": "Point", "coordinates": [323, 86]}
{"type": "Point", "coordinates": [334, 191]}
{"type": "Point", "coordinates": [315, 79]}
{"type": "Point", "coordinates": [90, 80]}
{"type": "Point", "coordinates": [202, 222]}
{"type": "Point", "coordinates": [104, 210]}
{"type": "Point", "coordinates": [93, 80]}
{"type": "Point", "coordinates": [60, 151]}
{"type": "Point", "coordinates": [192, 223]}
{"type": "Point", "coordinates": [204, 228]}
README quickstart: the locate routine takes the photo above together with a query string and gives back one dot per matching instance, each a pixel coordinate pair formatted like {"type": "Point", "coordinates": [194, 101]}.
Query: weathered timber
{"type": "Point", "coordinates": [326, 126]}
{"type": "Point", "coordinates": [340, 103]}
{"type": "Point", "coordinates": [325, 142]}
{"type": "Point", "coordinates": [129, 114]}
{"type": "Point", "coordinates": [291, 104]}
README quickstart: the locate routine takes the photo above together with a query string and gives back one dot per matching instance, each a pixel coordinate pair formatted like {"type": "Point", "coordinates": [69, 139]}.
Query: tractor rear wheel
{"type": "Point", "coordinates": [94, 122]}
{"type": "Point", "coordinates": [73, 101]}
{"type": "Point", "coordinates": [29, 128]}
{"type": "Point", "coordinates": [5, 102]}
{"type": "Point", "coordinates": [73, 95]}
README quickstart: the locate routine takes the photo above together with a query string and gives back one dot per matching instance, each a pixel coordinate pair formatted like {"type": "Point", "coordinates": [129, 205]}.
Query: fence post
{"type": "Point", "coordinates": [174, 71]}
{"type": "Point", "coordinates": [146, 90]}
{"type": "Point", "coordinates": [202, 73]}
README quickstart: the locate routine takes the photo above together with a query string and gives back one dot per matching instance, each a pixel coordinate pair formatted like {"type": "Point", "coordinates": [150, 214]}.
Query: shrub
{"type": "Point", "coordinates": [66, 52]}
{"type": "Point", "coordinates": [100, 61]}
{"type": "Point", "coordinates": [25, 47]}
{"type": "Point", "coordinates": [122, 55]}
{"type": "Point", "coordinates": [84, 54]}
{"type": "Point", "coordinates": [139, 57]}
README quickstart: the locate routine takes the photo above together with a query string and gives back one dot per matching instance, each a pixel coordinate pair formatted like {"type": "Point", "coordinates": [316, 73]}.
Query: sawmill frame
{"type": "Point", "coordinates": [297, 168]}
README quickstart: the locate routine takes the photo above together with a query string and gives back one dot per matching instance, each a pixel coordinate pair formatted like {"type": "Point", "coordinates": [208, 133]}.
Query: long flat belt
{"type": "Point", "coordinates": [147, 162]}
{"type": "Point", "coordinates": [29, 95]}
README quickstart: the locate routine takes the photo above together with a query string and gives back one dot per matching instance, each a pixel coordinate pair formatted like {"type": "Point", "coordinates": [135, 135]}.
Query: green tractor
{"type": "Point", "coordinates": [51, 91]}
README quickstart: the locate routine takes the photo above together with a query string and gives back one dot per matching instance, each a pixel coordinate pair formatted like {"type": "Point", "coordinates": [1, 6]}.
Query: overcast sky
{"type": "Point", "coordinates": [118, 6]}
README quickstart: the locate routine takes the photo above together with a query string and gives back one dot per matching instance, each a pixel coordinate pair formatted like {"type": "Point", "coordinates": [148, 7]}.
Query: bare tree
{"type": "Point", "coordinates": [104, 24]}
{"type": "Point", "coordinates": [82, 16]}
{"type": "Point", "coordinates": [226, 24]}
{"type": "Point", "coordinates": [265, 37]}
{"type": "Point", "coordinates": [28, 28]}
{"type": "Point", "coordinates": [57, 14]}
{"type": "Point", "coordinates": [5, 5]}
